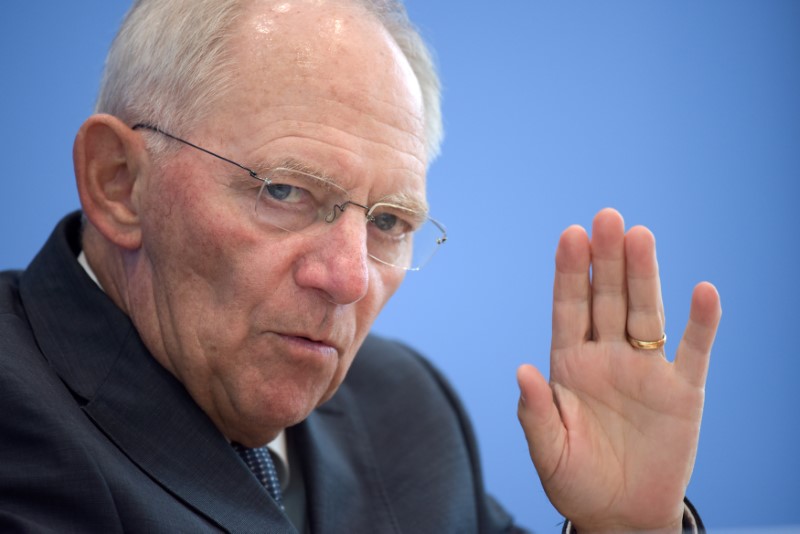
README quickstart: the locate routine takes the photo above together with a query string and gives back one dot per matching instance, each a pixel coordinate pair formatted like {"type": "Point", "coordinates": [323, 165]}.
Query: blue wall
{"type": "Point", "coordinates": [684, 115]}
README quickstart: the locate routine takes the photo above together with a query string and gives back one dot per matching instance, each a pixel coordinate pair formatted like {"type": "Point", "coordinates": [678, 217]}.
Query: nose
{"type": "Point", "coordinates": [338, 263]}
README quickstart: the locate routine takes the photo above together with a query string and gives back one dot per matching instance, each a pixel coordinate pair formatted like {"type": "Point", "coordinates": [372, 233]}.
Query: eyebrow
{"type": "Point", "coordinates": [293, 165]}
{"type": "Point", "coordinates": [403, 199]}
{"type": "Point", "coordinates": [406, 200]}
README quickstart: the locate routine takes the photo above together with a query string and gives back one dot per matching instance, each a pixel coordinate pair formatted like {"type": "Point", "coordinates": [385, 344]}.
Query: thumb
{"type": "Point", "coordinates": [540, 420]}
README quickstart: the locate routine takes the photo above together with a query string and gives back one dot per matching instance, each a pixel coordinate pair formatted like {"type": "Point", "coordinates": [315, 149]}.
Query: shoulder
{"type": "Point", "coordinates": [395, 387]}
{"type": "Point", "coordinates": [394, 373]}
{"type": "Point", "coordinates": [35, 402]}
{"type": "Point", "coordinates": [22, 365]}
{"type": "Point", "coordinates": [10, 305]}
{"type": "Point", "coordinates": [415, 418]}
{"type": "Point", "coordinates": [406, 403]}
{"type": "Point", "coordinates": [393, 363]}
{"type": "Point", "coordinates": [41, 435]}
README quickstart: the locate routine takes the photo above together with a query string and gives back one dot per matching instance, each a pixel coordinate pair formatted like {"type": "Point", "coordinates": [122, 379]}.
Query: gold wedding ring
{"type": "Point", "coordinates": [646, 345]}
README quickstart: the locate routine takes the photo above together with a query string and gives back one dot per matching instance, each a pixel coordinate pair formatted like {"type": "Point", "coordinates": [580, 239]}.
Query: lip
{"type": "Point", "coordinates": [306, 344]}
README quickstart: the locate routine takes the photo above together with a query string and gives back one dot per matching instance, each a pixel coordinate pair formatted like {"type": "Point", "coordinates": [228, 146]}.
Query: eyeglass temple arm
{"type": "Point", "coordinates": [146, 126]}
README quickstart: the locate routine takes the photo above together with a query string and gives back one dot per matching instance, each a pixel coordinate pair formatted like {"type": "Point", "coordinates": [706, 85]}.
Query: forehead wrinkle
{"type": "Point", "coordinates": [407, 130]}
{"type": "Point", "coordinates": [413, 118]}
{"type": "Point", "coordinates": [410, 114]}
{"type": "Point", "coordinates": [299, 133]}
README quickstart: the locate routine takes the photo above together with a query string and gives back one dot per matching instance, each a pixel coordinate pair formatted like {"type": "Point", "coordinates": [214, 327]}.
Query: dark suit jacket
{"type": "Point", "coordinates": [95, 436]}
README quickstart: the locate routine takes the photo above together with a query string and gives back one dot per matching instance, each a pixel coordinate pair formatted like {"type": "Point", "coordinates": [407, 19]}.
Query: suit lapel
{"type": "Point", "coordinates": [140, 406]}
{"type": "Point", "coordinates": [344, 488]}
{"type": "Point", "coordinates": [149, 415]}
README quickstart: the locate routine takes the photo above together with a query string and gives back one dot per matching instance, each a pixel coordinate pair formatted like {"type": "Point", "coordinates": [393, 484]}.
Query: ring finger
{"type": "Point", "coordinates": [645, 320]}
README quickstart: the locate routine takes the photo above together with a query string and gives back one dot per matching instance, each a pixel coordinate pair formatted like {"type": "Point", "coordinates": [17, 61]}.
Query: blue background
{"type": "Point", "coordinates": [684, 115]}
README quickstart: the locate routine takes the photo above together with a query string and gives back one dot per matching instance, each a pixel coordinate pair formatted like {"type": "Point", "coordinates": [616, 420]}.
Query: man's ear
{"type": "Point", "coordinates": [109, 158]}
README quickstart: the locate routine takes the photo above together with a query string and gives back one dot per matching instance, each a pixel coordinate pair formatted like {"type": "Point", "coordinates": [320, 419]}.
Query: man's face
{"type": "Point", "coordinates": [262, 325]}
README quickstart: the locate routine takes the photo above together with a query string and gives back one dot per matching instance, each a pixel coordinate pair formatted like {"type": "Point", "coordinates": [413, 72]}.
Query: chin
{"type": "Point", "coordinates": [285, 409]}
{"type": "Point", "coordinates": [263, 406]}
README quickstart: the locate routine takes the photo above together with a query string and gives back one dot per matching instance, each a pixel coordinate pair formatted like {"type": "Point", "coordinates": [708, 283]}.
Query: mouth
{"type": "Point", "coordinates": [308, 344]}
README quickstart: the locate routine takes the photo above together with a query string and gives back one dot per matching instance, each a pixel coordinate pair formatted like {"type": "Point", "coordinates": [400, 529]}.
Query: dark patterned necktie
{"type": "Point", "coordinates": [260, 463]}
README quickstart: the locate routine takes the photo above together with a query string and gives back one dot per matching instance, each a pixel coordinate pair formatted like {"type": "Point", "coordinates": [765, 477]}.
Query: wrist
{"type": "Point", "coordinates": [689, 523]}
{"type": "Point", "coordinates": [672, 528]}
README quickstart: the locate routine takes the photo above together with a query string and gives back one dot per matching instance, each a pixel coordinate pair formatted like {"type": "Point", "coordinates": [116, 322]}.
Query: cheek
{"type": "Point", "coordinates": [193, 229]}
{"type": "Point", "coordinates": [207, 264]}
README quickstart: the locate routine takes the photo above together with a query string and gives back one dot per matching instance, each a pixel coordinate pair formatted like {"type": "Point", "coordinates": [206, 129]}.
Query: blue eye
{"type": "Point", "coordinates": [392, 221]}
{"type": "Point", "coordinates": [385, 221]}
{"type": "Point", "coordinates": [279, 191]}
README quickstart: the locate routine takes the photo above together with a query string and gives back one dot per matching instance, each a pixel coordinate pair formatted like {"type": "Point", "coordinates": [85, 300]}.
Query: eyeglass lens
{"type": "Point", "coordinates": [298, 202]}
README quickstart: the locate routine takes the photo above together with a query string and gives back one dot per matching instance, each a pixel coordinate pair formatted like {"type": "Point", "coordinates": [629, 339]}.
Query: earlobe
{"type": "Point", "coordinates": [109, 158]}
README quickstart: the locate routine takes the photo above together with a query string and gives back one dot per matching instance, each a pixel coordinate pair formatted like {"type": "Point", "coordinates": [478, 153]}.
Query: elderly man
{"type": "Point", "coordinates": [253, 191]}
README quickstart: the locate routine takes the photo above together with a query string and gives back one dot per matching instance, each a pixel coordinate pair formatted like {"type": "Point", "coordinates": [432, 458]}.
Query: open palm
{"type": "Point", "coordinates": [613, 435]}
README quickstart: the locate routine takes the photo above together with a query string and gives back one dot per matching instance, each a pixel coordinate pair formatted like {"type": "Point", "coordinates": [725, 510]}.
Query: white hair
{"type": "Point", "coordinates": [170, 62]}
